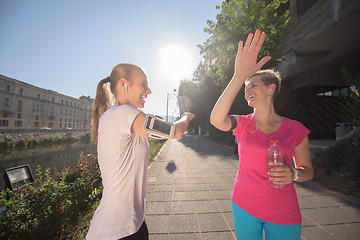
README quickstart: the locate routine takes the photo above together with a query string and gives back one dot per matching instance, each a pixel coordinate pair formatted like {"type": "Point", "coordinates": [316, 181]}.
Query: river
{"type": "Point", "coordinates": [55, 157]}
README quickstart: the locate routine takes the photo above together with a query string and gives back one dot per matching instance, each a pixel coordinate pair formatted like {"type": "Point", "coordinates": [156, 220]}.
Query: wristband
{"type": "Point", "coordinates": [296, 175]}
{"type": "Point", "coordinates": [233, 122]}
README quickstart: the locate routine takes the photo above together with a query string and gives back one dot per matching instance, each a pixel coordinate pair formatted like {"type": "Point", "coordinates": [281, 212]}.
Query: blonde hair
{"type": "Point", "coordinates": [269, 76]}
{"type": "Point", "coordinates": [103, 100]}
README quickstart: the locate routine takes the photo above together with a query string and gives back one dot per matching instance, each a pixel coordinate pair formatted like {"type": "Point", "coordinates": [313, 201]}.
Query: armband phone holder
{"type": "Point", "coordinates": [158, 128]}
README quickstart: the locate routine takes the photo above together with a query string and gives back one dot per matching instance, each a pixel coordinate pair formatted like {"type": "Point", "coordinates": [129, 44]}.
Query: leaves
{"type": "Point", "coordinates": [234, 22]}
{"type": "Point", "coordinates": [352, 101]}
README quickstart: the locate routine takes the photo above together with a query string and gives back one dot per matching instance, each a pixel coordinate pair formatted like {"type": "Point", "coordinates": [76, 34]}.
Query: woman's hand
{"type": "Point", "coordinates": [182, 124]}
{"type": "Point", "coordinates": [188, 116]}
{"type": "Point", "coordinates": [245, 62]}
{"type": "Point", "coordinates": [281, 175]}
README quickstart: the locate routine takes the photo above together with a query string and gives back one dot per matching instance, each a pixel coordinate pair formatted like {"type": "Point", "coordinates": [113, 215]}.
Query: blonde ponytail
{"type": "Point", "coordinates": [101, 104]}
{"type": "Point", "coordinates": [103, 100]}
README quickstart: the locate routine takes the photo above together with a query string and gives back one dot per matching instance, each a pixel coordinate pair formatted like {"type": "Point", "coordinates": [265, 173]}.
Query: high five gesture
{"type": "Point", "coordinates": [245, 62]}
{"type": "Point", "coordinates": [245, 66]}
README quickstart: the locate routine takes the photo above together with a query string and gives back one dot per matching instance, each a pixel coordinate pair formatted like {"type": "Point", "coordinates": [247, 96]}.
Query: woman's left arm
{"type": "Point", "coordinates": [284, 175]}
{"type": "Point", "coordinates": [303, 161]}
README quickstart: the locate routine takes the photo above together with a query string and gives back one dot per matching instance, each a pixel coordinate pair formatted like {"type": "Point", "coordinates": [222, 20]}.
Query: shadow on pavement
{"type": "Point", "coordinates": [207, 148]}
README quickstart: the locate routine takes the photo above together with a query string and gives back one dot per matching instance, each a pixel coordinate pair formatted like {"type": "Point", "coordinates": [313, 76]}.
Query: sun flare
{"type": "Point", "coordinates": [176, 61]}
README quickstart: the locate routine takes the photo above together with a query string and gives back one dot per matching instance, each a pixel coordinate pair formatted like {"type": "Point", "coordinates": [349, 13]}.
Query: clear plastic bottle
{"type": "Point", "coordinates": [275, 158]}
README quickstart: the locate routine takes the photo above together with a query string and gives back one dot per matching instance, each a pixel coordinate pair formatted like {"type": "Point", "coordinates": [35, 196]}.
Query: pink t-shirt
{"type": "Point", "coordinates": [123, 160]}
{"type": "Point", "coordinates": [252, 190]}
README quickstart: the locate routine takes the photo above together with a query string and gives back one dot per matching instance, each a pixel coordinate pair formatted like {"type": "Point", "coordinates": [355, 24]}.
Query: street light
{"type": "Point", "coordinates": [168, 96]}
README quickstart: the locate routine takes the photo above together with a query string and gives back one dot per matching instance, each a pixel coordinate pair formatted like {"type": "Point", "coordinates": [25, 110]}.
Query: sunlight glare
{"type": "Point", "coordinates": [176, 61]}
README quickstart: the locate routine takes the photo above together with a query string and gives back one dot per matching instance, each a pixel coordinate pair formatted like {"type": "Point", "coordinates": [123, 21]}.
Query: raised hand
{"type": "Point", "coordinates": [245, 62]}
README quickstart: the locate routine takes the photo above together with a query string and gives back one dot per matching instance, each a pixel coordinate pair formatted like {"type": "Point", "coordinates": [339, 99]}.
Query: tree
{"type": "Point", "coordinates": [352, 101]}
{"type": "Point", "coordinates": [236, 20]}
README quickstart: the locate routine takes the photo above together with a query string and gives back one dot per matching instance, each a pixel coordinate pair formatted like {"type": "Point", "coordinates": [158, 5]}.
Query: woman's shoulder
{"type": "Point", "coordinates": [122, 108]}
{"type": "Point", "coordinates": [293, 123]}
{"type": "Point", "coordinates": [244, 117]}
{"type": "Point", "coordinates": [120, 111]}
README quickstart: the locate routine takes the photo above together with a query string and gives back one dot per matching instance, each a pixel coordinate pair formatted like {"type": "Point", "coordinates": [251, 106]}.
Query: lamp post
{"type": "Point", "coordinates": [168, 96]}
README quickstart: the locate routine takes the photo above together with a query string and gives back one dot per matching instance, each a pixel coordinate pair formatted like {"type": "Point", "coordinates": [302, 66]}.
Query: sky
{"type": "Point", "coordinates": [68, 46]}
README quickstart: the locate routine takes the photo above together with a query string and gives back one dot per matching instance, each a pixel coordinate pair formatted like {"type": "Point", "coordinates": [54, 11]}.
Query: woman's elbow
{"type": "Point", "coordinates": [214, 121]}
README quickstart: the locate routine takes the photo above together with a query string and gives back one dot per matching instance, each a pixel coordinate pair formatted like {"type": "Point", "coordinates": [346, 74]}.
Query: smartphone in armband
{"type": "Point", "coordinates": [158, 128]}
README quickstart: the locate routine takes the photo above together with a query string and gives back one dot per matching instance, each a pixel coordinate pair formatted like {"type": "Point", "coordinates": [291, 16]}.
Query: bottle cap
{"type": "Point", "coordinates": [274, 141]}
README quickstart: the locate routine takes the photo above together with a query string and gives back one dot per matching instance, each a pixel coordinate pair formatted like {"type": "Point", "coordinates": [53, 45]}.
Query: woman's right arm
{"type": "Point", "coordinates": [180, 125]}
{"type": "Point", "coordinates": [245, 67]}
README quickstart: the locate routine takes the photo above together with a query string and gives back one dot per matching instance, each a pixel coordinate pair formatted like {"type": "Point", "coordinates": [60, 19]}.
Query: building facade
{"type": "Point", "coordinates": [321, 39]}
{"type": "Point", "coordinates": [24, 106]}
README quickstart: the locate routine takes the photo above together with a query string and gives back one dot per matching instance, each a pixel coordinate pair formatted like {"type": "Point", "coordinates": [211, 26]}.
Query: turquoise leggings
{"type": "Point", "coordinates": [251, 228]}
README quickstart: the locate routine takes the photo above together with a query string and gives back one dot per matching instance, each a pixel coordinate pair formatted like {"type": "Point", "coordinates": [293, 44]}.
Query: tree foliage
{"type": "Point", "coordinates": [234, 22]}
{"type": "Point", "coordinates": [352, 101]}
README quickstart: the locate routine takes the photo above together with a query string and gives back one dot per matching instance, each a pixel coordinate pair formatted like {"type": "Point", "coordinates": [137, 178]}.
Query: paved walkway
{"type": "Point", "coordinates": [189, 190]}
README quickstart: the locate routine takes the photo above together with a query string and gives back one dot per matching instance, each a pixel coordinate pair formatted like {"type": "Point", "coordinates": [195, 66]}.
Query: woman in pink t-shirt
{"type": "Point", "coordinates": [123, 153]}
{"type": "Point", "coordinates": [258, 206]}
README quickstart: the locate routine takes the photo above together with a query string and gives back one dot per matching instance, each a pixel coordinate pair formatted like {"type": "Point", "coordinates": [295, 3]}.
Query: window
{"type": "Point", "coordinates": [38, 96]}
{"type": "Point", "coordinates": [4, 123]}
{"type": "Point", "coordinates": [36, 117]}
{"type": "Point", "coordinates": [18, 123]}
{"type": "Point", "coordinates": [344, 92]}
{"type": "Point", "coordinates": [19, 115]}
{"type": "Point", "coordinates": [8, 88]}
{"type": "Point", "coordinates": [7, 102]}
{"type": "Point", "coordinates": [36, 124]}
{"type": "Point", "coordinates": [19, 105]}
{"type": "Point", "coordinates": [53, 99]}
{"type": "Point", "coordinates": [21, 91]}
{"type": "Point", "coordinates": [5, 115]}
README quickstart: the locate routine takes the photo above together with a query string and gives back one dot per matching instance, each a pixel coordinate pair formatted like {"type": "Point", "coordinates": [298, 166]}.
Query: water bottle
{"type": "Point", "coordinates": [275, 158]}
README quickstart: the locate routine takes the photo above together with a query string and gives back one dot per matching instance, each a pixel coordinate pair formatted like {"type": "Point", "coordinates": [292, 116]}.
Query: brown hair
{"type": "Point", "coordinates": [269, 76]}
{"type": "Point", "coordinates": [103, 100]}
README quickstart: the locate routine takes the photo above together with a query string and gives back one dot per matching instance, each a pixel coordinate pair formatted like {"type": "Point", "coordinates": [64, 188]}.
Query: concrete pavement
{"type": "Point", "coordinates": [189, 191]}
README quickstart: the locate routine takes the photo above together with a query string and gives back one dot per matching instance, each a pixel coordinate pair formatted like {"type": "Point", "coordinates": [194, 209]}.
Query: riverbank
{"type": "Point", "coordinates": [25, 138]}
{"type": "Point", "coordinates": [40, 133]}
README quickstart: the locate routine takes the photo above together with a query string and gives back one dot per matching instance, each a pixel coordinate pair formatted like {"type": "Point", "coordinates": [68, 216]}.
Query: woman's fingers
{"type": "Point", "coordinates": [248, 42]}
{"type": "Point", "coordinates": [263, 61]}
{"type": "Point", "coordinates": [255, 40]}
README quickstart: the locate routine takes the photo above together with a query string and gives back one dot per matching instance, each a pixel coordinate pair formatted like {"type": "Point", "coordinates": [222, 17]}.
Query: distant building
{"type": "Point", "coordinates": [24, 106]}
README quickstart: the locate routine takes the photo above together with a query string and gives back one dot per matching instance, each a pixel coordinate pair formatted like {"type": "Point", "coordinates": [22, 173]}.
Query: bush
{"type": "Point", "coordinates": [58, 206]}
{"type": "Point", "coordinates": [343, 157]}
{"type": "Point", "coordinates": [49, 208]}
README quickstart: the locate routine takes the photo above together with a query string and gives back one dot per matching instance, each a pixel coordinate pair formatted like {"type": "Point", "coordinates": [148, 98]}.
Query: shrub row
{"type": "Point", "coordinates": [342, 157]}
{"type": "Point", "coordinates": [32, 142]}
{"type": "Point", "coordinates": [54, 205]}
